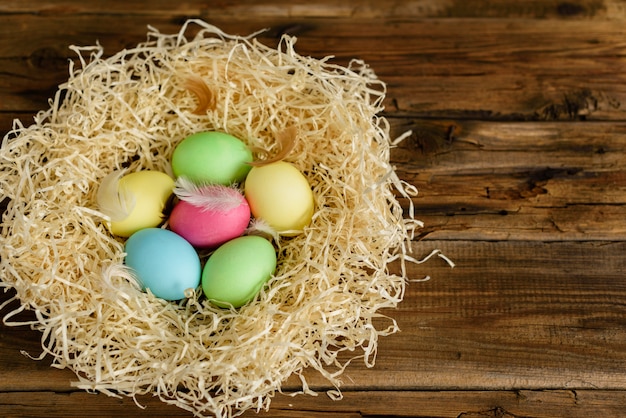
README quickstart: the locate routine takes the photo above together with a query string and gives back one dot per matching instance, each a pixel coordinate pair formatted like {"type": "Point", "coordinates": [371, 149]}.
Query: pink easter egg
{"type": "Point", "coordinates": [210, 227]}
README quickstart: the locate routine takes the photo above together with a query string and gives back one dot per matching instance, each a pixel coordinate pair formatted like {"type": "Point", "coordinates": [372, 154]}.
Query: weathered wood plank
{"type": "Point", "coordinates": [533, 181]}
{"type": "Point", "coordinates": [495, 69]}
{"type": "Point", "coordinates": [540, 9]}
{"type": "Point", "coordinates": [540, 181]}
{"type": "Point", "coordinates": [431, 404]}
{"type": "Point", "coordinates": [518, 181]}
{"type": "Point", "coordinates": [462, 404]}
{"type": "Point", "coordinates": [510, 315]}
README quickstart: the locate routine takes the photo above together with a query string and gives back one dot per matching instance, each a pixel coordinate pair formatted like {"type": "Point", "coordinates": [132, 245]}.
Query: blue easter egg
{"type": "Point", "coordinates": [163, 262]}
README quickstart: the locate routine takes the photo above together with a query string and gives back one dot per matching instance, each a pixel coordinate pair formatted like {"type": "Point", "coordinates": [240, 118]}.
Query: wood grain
{"type": "Point", "coordinates": [517, 147]}
{"type": "Point", "coordinates": [527, 70]}
{"type": "Point", "coordinates": [444, 404]}
{"type": "Point", "coordinates": [542, 316]}
{"type": "Point", "coordinates": [540, 9]}
{"type": "Point", "coordinates": [531, 181]}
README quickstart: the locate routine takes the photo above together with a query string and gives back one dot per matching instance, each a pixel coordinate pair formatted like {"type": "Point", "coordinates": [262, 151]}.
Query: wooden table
{"type": "Point", "coordinates": [518, 145]}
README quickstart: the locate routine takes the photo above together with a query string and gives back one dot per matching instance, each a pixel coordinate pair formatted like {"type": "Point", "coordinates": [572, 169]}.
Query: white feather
{"type": "Point", "coordinates": [114, 200]}
{"type": "Point", "coordinates": [214, 197]}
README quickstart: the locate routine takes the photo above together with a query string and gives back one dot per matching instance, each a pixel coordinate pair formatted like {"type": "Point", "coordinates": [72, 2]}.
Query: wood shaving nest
{"type": "Point", "coordinates": [129, 111]}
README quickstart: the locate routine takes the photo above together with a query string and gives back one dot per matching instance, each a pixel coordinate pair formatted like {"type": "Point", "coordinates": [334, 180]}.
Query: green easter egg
{"type": "Point", "coordinates": [212, 158]}
{"type": "Point", "coordinates": [236, 271]}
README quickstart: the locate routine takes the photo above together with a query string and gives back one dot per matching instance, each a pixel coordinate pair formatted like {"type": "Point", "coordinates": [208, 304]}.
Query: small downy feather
{"type": "Point", "coordinates": [214, 197]}
{"type": "Point", "coordinates": [261, 228]}
{"type": "Point", "coordinates": [113, 199]}
{"type": "Point", "coordinates": [287, 141]}
{"type": "Point", "coordinates": [205, 96]}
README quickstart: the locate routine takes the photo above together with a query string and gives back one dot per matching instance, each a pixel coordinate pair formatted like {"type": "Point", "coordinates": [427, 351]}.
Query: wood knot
{"type": "Point", "coordinates": [570, 9]}
{"type": "Point", "coordinates": [575, 105]}
{"type": "Point", "coordinates": [47, 58]}
{"type": "Point", "coordinates": [430, 137]}
{"type": "Point", "coordinates": [496, 412]}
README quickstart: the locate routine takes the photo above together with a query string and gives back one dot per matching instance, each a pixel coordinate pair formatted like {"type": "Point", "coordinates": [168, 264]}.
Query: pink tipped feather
{"type": "Point", "coordinates": [214, 197]}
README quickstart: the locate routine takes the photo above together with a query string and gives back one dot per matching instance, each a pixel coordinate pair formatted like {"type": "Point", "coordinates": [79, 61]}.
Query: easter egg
{"type": "Point", "coordinates": [163, 262]}
{"type": "Point", "coordinates": [212, 158]}
{"type": "Point", "coordinates": [236, 271]}
{"type": "Point", "coordinates": [280, 194]}
{"type": "Point", "coordinates": [210, 218]}
{"type": "Point", "coordinates": [134, 201]}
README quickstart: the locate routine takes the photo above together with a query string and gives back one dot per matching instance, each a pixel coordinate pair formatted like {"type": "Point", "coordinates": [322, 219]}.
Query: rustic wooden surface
{"type": "Point", "coordinates": [518, 114]}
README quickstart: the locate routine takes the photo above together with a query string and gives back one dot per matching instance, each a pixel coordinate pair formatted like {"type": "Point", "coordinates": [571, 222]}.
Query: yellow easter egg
{"type": "Point", "coordinates": [135, 201]}
{"type": "Point", "coordinates": [280, 194]}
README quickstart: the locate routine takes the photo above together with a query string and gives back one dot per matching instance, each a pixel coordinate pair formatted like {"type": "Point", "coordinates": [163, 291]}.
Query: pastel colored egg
{"type": "Point", "coordinates": [163, 262]}
{"type": "Point", "coordinates": [280, 194]}
{"type": "Point", "coordinates": [134, 201]}
{"type": "Point", "coordinates": [236, 271]}
{"type": "Point", "coordinates": [219, 215]}
{"type": "Point", "coordinates": [212, 158]}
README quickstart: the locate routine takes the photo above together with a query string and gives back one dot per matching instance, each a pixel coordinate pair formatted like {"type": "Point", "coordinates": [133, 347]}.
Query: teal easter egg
{"type": "Point", "coordinates": [212, 158]}
{"type": "Point", "coordinates": [163, 262]}
{"type": "Point", "coordinates": [236, 271]}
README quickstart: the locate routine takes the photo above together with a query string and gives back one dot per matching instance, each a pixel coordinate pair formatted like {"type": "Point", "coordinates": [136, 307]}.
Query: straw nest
{"type": "Point", "coordinates": [129, 111]}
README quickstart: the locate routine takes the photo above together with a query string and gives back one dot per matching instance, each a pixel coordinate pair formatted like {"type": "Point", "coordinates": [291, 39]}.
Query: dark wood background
{"type": "Point", "coordinates": [518, 113]}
